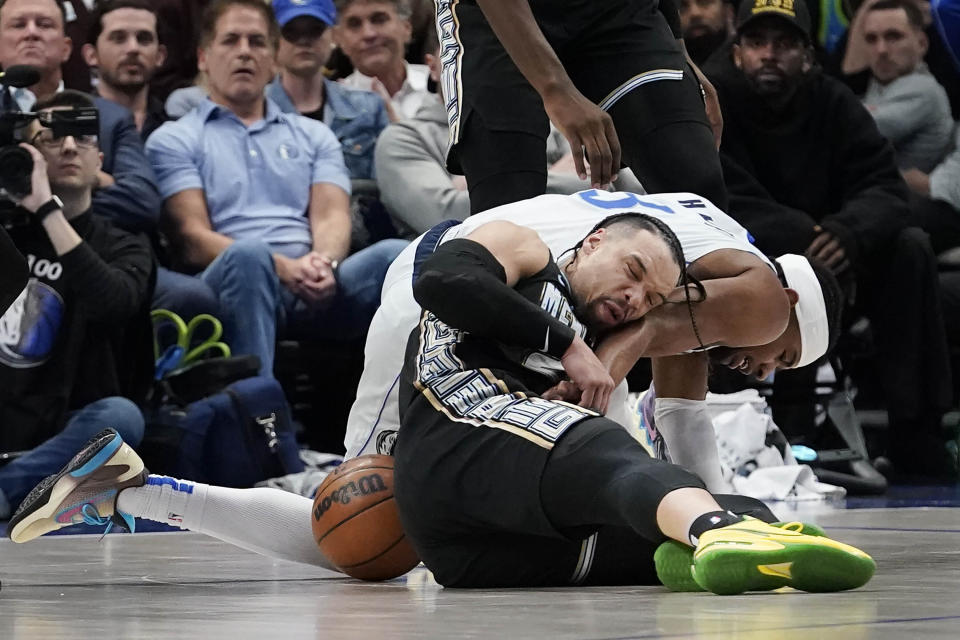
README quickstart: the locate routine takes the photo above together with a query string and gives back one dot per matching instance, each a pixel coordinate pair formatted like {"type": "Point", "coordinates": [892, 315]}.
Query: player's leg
{"type": "Point", "coordinates": [497, 124]}
{"type": "Point", "coordinates": [106, 481]}
{"type": "Point", "coordinates": [666, 140]}
{"type": "Point", "coordinates": [628, 62]}
{"type": "Point", "coordinates": [501, 166]}
{"type": "Point", "coordinates": [375, 415]}
{"type": "Point", "coordinates": [21, 475]}
{"type": "Point", "coordinates": [598, 475]}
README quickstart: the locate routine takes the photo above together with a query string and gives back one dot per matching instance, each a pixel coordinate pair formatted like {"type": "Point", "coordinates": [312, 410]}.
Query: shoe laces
{"type": "Point", "coordinates": [92, 517]}
{"type": "Point", "coordinates": [792, 526]}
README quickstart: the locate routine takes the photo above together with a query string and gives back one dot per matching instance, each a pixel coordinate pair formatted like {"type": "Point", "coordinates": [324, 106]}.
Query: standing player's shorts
{"type": "Point", "coordinates": [608, 49]}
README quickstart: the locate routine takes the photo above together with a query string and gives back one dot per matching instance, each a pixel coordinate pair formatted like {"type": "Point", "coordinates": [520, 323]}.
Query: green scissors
{"type": "Point", "coordinates": [182, 352]}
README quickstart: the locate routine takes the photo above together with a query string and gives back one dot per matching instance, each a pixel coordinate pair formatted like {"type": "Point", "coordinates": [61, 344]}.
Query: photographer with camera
{"type": "Point", "coordinates": [32, 33]}
{"type": "Point", "coordinates": [78, 337]}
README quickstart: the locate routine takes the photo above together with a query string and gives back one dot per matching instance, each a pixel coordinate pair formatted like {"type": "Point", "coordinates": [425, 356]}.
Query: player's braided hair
{"type": "Point", "coordinates": [833, 300]}
{"type": "Point", "coordinates": [641, 221]}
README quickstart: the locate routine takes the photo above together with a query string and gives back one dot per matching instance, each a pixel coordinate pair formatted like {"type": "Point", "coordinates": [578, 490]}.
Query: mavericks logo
{"type": "Point", "coordinates": [30, 327]}
{"type": "Point", "coordinates": [386, 441]}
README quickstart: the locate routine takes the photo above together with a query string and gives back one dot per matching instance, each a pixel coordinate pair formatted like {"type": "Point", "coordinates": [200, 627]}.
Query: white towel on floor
{"type": "Point", "coordinates": [757, 469]}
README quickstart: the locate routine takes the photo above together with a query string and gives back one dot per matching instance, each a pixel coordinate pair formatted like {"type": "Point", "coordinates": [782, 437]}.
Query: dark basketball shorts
{"type": "Point", "coordinates": [469, 496]}
{"type": "Point", "coordinates": [609, 49]}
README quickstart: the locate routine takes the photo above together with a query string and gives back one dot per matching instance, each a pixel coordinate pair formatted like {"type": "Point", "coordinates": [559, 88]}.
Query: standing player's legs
{"type": "Point", "coordinates": [631, 66]}
{"type": "Point", "coordinates": [667, 141]}
{"type": "Point", "coordinates": [497, 123]}
{"type": "Point", "coordinates": [501, 166]}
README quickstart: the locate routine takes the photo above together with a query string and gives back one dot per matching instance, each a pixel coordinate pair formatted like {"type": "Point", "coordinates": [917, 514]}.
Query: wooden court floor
{"type": "Point", "coordinates": [183, 585]}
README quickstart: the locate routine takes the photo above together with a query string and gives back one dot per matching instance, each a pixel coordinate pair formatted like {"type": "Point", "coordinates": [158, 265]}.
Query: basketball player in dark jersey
{"type": "Point", "coordinates": [498, 487]}
{"type": "Point", "coordinates": [610, 75]}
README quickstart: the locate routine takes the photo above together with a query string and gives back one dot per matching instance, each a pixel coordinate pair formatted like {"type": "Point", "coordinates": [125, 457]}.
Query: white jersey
{"type": "Point", "coordinates": [561, 221]}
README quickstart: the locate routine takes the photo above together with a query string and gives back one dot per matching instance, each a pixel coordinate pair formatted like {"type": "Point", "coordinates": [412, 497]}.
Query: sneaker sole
{"type": "Point", "coordinates": [35, 516]}
{"type": "Point", "coordinates": [674, 561]}
{"type": "Point", "coordinates": [818, 567]}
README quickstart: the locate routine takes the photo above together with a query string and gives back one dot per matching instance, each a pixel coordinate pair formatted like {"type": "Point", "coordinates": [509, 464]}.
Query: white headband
{"type": "Point", "coordinates": [810, 308]}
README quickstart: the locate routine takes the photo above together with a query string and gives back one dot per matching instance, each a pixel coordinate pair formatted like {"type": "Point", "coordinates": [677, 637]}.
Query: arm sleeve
{"type": "Point", "coordinates": [669, 10]}
{"type": "Point", "coordinates": [172, 158]}
{"type": "Point", "coordinates": [114, 286]}
{"type": "Point", "coordinates": [414, 186]}
{"type": "Point", "coordinates": [133, 203]}
{"type": "Point", "coordinates": [465, 286]}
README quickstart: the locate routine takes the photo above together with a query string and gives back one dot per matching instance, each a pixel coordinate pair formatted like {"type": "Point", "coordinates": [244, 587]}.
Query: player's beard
{"type": "Point", "coordinates": [587, 313]}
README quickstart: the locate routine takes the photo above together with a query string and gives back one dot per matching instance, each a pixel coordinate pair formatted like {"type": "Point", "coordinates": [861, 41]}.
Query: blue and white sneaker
{"type": "Point", "coordinates": [84, 491]}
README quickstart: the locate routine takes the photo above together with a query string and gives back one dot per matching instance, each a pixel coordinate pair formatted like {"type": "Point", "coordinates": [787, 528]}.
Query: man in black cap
{"type": "Point", "coordinates": [808, 172]}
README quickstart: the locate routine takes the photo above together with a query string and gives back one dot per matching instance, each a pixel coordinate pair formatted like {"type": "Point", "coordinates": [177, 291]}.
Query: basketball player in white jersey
{"type": "Point", "coordinates": [106, 482]}
{"type": "Point", "coordinates": [746, 304]}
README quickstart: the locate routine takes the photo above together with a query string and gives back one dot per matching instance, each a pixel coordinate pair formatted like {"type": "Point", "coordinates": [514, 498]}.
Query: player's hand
{"type": "Point", "coordinates": [40, 191]}
{"type": "Point", "coordinates": [589, 375]}
{"type": "Point", "coordinates": [586, 126]}
{"type": "Point", "coordinates": [563, 390]}
{"type": "Point", "coordinates": [711, 102]}
{"type": "Point", "coordinates": [826, 247]}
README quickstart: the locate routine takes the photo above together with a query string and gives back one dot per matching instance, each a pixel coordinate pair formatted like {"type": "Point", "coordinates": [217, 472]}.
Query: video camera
{"type": "Point", "coordinates": [16, 165]}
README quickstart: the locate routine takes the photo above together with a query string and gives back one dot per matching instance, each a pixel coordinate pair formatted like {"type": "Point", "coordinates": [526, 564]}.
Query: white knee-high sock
{"type": "Point", "coordinates": [270, 522]}
{"type": "Point", "coordinates": [691, 441]}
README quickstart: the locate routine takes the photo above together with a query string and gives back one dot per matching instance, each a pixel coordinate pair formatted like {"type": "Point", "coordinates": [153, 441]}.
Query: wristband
{"type": "Point", "coordinates": [48, 207]}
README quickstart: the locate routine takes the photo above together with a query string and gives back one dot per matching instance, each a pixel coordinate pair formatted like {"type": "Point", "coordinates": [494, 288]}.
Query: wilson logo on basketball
{"type": "Point", "coordinates": [366, 485]}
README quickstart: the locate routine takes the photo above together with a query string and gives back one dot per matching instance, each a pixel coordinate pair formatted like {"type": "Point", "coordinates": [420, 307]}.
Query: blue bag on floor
{"type": "Point", "coordinates": [234, 438]}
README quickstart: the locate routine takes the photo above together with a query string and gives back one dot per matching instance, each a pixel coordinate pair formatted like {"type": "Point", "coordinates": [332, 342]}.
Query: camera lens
{"type": "Point", "coordinates": [16, 165]}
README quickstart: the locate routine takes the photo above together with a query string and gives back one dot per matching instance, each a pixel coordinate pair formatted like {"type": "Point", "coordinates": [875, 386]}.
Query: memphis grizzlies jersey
{"type": "Point", "coordinates": [480, 380]}
{"type": "Point", "coordinates": [563, 221]}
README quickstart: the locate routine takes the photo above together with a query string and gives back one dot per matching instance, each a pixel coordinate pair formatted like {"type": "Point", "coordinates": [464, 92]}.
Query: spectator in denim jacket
{"type": "Point", "coordinates": [356, 117]}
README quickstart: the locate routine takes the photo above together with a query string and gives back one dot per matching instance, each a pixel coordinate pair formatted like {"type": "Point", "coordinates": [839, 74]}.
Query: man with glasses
{"type": "Point", "coordinates": [356, 117]}
{"type": "Point", "coordinates": [60, 375]}
{"type": "Point", "coordinates": [32, 33]}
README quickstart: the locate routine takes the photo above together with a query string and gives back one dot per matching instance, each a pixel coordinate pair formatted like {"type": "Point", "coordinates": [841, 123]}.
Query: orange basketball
{"type": "Point", "coordinates": [356, 522]}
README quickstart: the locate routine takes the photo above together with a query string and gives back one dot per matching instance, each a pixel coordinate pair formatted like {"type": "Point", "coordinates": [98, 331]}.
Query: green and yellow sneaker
{"type": "Point", "coordinates": [674, 560]}
{"type": "Point", "coordinates": [754, 556]}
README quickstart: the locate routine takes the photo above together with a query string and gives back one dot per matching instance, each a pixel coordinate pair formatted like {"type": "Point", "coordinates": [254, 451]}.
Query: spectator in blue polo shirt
{"type": "Point", "coordinates": [257, 199]}
{"type": "Point", "coordinates": [306, 40]}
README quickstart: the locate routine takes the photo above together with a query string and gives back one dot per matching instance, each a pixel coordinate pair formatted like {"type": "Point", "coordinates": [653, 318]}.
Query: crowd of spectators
{"type": "Point", "coordinates": [234, 136]}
